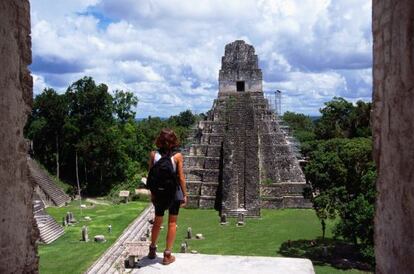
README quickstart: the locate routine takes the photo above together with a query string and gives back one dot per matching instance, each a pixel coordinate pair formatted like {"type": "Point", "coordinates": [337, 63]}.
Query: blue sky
{"type": "Point", "coordinates": [168, 52]}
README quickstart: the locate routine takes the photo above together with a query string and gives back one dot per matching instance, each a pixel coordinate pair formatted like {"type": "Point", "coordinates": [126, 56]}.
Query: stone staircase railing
{"type": "Point", "coordinates": [112, 260]}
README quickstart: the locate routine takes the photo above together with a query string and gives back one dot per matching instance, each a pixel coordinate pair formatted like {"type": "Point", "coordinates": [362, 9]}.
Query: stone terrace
{"type": "Point", "coordinates": [212, 264]}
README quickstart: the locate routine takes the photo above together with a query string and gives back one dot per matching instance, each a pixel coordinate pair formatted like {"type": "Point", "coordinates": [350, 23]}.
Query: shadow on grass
{"type": "Point", "coordinates": [336, 253]}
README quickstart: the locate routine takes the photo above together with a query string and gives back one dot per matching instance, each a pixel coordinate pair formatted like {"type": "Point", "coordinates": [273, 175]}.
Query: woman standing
{"type": "Point", "coordinates": [167, 144]}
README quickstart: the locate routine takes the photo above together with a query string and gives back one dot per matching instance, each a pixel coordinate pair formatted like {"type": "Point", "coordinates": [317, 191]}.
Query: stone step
{"type": "Point", "coordinates": [43, 220]}
{"type": "Point", "coordinates": [200, 174]}
{"type": "Point", "coordinates": [211, 150]}
{"type": "Point", "coordinates": [53, 237]}
{"type": "Point", "coordinates": [201, 201]}
{"type": "Point", "coordinates": [49, 229]}
{"type": "Point", "coordinates": [46, 183]}
{"type": "Point", "coordinates": [288, 201]}
{"type": "Point", "coordinates": [38, 206]}
{"type": "Point", "coordinates": [209, 122]}
{"type": "Point", "coordinates": [52, 234]}
{"type": "Point", "coordinates": [201, 162]}
{"type": "Point", "coordinates": [201, 182]}
{"type": "Point", "coordinates": [213, 139]}
{"type": "Point", "coordinates": [202, 188]}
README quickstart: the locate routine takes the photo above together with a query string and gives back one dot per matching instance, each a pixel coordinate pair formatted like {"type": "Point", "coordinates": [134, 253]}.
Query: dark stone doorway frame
{"type": "Point", "coordinates": [240, 86]}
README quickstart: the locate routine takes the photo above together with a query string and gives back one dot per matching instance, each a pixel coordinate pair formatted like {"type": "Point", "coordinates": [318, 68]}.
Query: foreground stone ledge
{"type": "Point", "coordinates": [209, 264]}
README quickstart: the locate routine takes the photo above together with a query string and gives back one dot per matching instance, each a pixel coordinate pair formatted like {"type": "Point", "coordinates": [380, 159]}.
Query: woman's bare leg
{"type": "Point", "coordinates": [172, 229]}
{"type": "Point", "coordinates": [156, 230]}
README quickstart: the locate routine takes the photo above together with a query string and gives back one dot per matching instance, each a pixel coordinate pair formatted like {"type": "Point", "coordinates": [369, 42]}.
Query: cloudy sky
{"type": "Point", "coordinates": [168, 52]}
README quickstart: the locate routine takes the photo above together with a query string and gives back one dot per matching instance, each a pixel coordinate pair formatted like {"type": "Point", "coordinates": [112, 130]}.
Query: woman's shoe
{"type": "Point", "coordinates": [168, 258]}
{"type": "Point", "coordinates": [152, 254]}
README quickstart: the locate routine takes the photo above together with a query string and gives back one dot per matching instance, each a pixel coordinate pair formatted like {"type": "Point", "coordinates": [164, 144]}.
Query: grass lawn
{"type": "Point", "coordinates": [70, 255]}
{"type": "Point", "coordinates": [259, 237]}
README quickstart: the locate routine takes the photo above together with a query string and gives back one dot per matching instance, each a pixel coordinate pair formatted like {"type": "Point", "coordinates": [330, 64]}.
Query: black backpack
{"type": "Point", "coordinates": [162, 179]}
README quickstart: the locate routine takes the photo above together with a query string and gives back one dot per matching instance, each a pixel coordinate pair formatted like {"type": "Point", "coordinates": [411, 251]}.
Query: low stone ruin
{"type": "Point", "coordinates": [49, 229]}
{"type": "Point", "coordinates": [47, 193]}
{"type": "Point", "coordinates": [124, 194]}
{"type": "Point", "coordinates": [85, 234]}
{"type": "Point", "coordinates": [239, 160]}
{"type": "Point", "coordinates": [99, 238]}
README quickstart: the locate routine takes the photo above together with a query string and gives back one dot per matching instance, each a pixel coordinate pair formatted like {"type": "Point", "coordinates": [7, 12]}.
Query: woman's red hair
{"type": "Point", "coordinates": [167, 140]}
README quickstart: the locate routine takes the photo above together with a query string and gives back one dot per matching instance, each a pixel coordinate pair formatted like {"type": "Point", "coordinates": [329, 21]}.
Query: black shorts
{"type": "Point", "coordinates": [173, 208]}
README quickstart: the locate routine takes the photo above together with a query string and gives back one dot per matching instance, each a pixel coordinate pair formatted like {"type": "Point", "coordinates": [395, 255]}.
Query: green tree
{"type": "Point", "coordinates": [124, 102]}
{"type": "Point", "coordinates": [341, 119]}
{"type": "Point", "coordinates": [92, 136]}
{"type": "Point", "coordinates": [342, 175]}
{"type": "Point", "coordinates": [362, 119]}
{"type": "Point", "coordinates": [298, 121]}
{"type": "Point", "coordinates": [336, 119]}
{"type": "Point", "coordinates": [45, 127]}
{"type": "Point", "coordinates": [90, 111]}
{"type": "Point", "coordinates": [184, 119]}
{"type": "Point", "coordinates": [340, 168]}
{"type": "Point", "coordinates": [301, 125]}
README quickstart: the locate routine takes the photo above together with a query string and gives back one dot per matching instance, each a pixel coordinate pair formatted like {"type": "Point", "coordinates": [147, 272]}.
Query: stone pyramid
{"type": "Point", "coordinates": [239, 160]}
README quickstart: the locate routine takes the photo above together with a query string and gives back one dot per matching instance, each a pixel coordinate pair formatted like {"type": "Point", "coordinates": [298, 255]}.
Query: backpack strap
{"type": "Point", "coordinates": [158, 156]}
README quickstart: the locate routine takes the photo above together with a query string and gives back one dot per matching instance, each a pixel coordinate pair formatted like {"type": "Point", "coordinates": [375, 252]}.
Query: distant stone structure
{"type": "Point", "coordinates": [46, 194]}
{"type": "Point", "coordinates": [46, 189]}
{"type": "Point", "coordinates": [239, 160]}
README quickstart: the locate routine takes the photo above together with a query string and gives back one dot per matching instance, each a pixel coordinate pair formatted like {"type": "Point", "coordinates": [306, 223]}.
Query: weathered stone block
{"type": "Point", "coordinates": [193, 174]}
{"type": "Point", "coordinates": [194, 188]}
{"type": "Point", "coordinates": [194, 161]}
{"type": "Point", "coordinates": [209, 189]}
{"type": "Point", "coordinates": [213, 151]}
{"type": "Point", "coordinates": [211, 175]}
{"type": "Point", "coordinates": [193, 202]}
{"type": "Point", "coordinates": [207, 202]}
{"type": "Point", "coordinates": [211, 162]}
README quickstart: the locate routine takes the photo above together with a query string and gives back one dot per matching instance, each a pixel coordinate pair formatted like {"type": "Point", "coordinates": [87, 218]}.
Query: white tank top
{"type": "Point", "coordinates": [158, 156]}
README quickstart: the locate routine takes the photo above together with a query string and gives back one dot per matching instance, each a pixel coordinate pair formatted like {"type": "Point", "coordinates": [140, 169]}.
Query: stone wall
{"type": "Point", "coordinates": [393, 130]}
{"type": "Point", "coordinates": [17, 230]}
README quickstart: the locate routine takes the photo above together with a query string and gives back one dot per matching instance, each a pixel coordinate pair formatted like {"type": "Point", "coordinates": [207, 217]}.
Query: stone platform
{"type": "Point", "coordinates": [211, 264]}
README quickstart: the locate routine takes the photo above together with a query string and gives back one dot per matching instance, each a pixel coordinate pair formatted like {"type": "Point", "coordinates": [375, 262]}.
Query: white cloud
{"type": "Point", "coordinates": [168, 51]}
{"type": "Point", "coordinates": [165, 10]}
{"type": "Point", "coordinates": [38, 83]}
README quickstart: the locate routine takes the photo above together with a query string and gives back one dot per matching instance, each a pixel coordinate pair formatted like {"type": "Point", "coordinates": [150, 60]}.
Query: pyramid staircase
{"type": "Point", "coordinates": [50, 193]}
{"type": "Point", "coordinates": [49, 229]}
{"type": "Point", "coordinates": [244, 125]}
{"type": "Point", "coordinates": [47, 193]}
